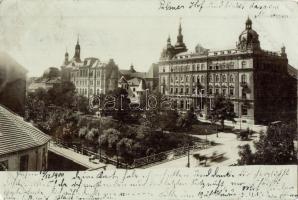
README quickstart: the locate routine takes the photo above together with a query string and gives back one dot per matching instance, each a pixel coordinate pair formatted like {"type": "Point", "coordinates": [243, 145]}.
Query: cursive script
{"type": "Point", "coordinates": [254, 182]}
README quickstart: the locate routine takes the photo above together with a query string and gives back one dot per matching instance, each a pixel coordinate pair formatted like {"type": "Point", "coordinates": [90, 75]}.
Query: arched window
{"type": "Point", "coordinates": [243, 78]}
{"type": "Point", "coordinates": [224, 78]}
{"type": "Point", "coordinates": [210, 78]}
{"type": "Point", "coordinates": [216, 78]}
{"type": "Point", "coordinates": [232, 78]}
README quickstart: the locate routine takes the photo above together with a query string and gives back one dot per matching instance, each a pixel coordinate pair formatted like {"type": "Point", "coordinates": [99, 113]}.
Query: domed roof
{"type": "Point", "coordinates": [199, 49]}
{"type": "Point", "coordinates": [248, 39]}
{"type": "Point", "coordinates": [248, 35]}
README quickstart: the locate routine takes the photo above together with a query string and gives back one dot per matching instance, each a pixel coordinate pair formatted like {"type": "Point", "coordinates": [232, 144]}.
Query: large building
{"type": "Point", "coordinates": [12, 84]}
{"type": "Point", "coordinates": [255, 80]}
{"type": "Point", "coordinates": [90, 76]}
{"type": "Point", "coordinates": [150, 77]}
{"type": "Point", "coordinates": [50, 78]}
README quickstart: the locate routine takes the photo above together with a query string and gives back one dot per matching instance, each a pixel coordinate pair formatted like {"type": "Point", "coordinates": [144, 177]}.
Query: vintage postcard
{"type": "Point", "coordinates": [161, 99]}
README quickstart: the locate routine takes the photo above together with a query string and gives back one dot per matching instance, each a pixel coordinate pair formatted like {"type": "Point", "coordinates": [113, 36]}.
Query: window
{"type": "Point", "coordinates": [243, 110]}
{"type": "Point", "coordinates": [232, 65]}
{"type": "Point", "coordinates": [202, 91]}
{"type": "Point", "coordinates": [216, 91]}
{"type": "Point", "coordinates": [202, 79]}
{"type": "Point", "coordinates": [176, 90]}
{"type": "Point", "coordinates": [187, 90]}
{"type": "Point", "coordinates": [210, 67]}
{"type": "Point", "coordinates": [231, 78]}
{"type": "Point", "coordinates": [232, 91]}
{"type": "Point", "coordinates": [202, 66]}
{"type": "Point", "coordinates": [243, 64]}
{"type": "Point", "coordinates": [181, 90]}
{"type": "Point", "coordinates": [224, 78]}
{"type": "Point", "coordinates": [187, 77]}
{"type": "Point", "coordinates": [216, 78]}
{"type": "Point", "coordinates": [134, 89]}
{"type": "Point", "coordinates": [163, 69]}
{"type": "Point", "coordinates": [181, 104]}
{"type": "Point", "coordinates": [224, 91]}
{"type": "Point", "coordinates": [243, 78]}
{"type": "Point", "coordinates": [4, 165]}
{"type": "Point", "coordinates": [210, 91]}
{"type": "Point", "coordinates": [24, 163]}
{"type": "Point", "coordinates": [171, 79]}
{"type": "Point", "coordinates": [171, 90]}
{"type": "Point", "coordinates": [209, 78]}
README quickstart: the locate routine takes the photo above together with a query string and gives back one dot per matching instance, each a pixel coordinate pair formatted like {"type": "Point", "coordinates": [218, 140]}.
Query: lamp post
{"type": "Point", "coordinates": [188, 147]}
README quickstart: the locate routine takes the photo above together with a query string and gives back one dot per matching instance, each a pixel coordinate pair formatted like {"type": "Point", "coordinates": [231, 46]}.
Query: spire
{"type": "Point", "coordinates": [248, 23]}
{"type": "Point", "coordinates": [169, 39]}
{"type": "Point", "coordinates": [180, 46]}
{"type": "Point", "coordinates": [78, 40]}
{"type": "Point", "coordinates": [77, 55]}
{"type": "Point", "coordinates": [180, 28]}
{"type": "Point", "coordinates": [66, 61]}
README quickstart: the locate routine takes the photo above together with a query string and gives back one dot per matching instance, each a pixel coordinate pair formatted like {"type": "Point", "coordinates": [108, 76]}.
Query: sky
{"type": "Point", "coordinates": [38, 32]}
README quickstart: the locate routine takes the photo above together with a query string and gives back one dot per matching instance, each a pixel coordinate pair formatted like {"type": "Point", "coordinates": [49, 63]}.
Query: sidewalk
{"type": "Point", "coordinates": [228, 144]}
{"type": "Point", "coordinates": [256, 128]}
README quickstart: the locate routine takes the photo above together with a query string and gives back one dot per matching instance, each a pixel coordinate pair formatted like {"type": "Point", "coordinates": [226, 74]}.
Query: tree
{"type": "Point", "coordinates": [186, 121]}
{"type": "Point", "coordinates": [246, 156]}
{"type": "Point", "coordinates": [223, 109]}
{"type": "Point", "coordinates": [275, 147]}
{"type": "Point", "coordinates": [116, 104]}
{"type": "Point", "coordinates": [109, 139]}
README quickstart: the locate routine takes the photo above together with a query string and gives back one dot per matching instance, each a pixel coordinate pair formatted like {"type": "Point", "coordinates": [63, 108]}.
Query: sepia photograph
{"type": "Point", "coordinates": [102, 85]}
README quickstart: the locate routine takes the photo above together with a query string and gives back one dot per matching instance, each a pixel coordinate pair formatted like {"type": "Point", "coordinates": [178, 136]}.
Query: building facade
{"type": "Point", "coordinates": [50, 78]}
{"type": "Point", "coordinates": [90, 76]}
{"type": "Point", "coordinates": [22, 146]}
{"type": "Point", "coordinates": [256, 81]}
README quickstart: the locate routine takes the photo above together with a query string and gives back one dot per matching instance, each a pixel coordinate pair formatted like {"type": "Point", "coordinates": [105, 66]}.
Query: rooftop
{"type": "Point", "coordinates": [17, 135]}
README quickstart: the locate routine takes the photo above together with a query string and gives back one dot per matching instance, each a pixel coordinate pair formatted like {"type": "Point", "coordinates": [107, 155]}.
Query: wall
{"type": "Point", "coordinates": [34, 161]}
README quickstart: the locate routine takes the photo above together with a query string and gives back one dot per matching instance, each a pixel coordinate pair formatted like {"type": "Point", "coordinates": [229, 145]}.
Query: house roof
{"type": "Point", "coordinates": [17, 135]}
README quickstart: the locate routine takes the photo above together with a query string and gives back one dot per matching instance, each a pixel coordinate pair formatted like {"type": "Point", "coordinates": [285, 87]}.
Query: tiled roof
{"type": "Point", "coordinates": [17, 135]}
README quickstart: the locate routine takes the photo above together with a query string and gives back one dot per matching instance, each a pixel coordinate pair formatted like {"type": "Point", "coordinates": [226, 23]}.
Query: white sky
{"type": "Point", "coordinates": [37, 32]}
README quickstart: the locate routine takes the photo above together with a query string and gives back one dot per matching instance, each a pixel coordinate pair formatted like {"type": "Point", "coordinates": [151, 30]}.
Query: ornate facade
{"type": "Point", "coordinates": [90, 76]}
{"type": "Point", "coordinates": [256, 81]}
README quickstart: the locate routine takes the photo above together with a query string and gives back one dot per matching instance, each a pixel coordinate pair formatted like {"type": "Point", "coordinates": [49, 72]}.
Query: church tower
{"type": "Point", "coordinates": [180, 46]}
{"type": "Point", "coordinates": [66, 58]}
{"type": "Point", "coordinates": [77, 55]}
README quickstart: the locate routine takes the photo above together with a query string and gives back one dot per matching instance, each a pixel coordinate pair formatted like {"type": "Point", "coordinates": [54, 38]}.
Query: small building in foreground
{"type": "Point", "coordinates": [22, 146]}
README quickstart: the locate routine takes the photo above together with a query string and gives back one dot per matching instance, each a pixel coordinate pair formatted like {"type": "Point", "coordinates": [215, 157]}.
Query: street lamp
{"type": "Point", "coordinates": [188, 147]}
